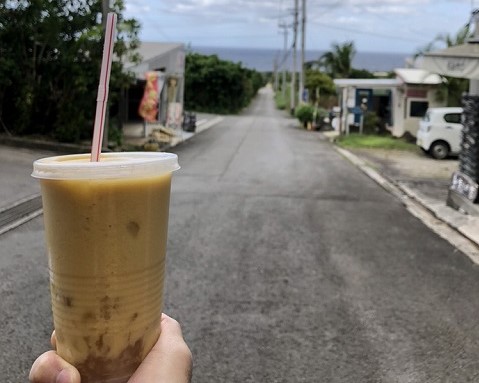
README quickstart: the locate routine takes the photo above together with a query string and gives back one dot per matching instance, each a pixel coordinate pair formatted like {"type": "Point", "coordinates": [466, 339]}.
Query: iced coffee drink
{"type": "Point", "coordinates": [106, 232]}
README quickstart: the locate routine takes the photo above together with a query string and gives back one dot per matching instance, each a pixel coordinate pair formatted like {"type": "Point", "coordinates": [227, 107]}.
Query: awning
{"type": "Point", "coordinates": [460, 61]}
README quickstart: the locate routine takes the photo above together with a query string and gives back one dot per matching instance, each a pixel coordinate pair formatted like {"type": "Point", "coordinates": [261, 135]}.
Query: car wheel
{"type": "Point", "coordinates": [439, 150]}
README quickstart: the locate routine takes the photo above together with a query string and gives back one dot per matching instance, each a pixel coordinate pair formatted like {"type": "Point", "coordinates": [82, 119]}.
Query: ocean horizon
{"type": "Point", "coordinates": [263, 59]}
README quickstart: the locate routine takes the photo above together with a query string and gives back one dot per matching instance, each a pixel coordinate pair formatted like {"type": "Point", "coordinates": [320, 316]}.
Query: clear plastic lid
{"type": "Point", "coordinates": [111, 165]}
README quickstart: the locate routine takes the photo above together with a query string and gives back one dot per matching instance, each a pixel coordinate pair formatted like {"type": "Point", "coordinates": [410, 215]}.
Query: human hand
{"type": "Point", "coordinates": [169, 361]}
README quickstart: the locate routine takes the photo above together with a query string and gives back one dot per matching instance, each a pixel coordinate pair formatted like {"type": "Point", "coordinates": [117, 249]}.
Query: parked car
{"type": "Point", "coordinates": [440, 132]}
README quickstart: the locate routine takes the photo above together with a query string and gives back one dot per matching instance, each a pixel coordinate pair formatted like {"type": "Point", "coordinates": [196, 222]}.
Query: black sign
{"type": "Point", "coordinates": [456, 65]}
{"type": "Point", "coordinates": [464, 186]}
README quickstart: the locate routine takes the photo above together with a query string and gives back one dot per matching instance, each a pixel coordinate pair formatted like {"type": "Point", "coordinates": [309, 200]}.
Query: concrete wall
{"type": "Point", "coordinates": [397, 129]}
{"type": "Point", "coordinates": [411, 124]}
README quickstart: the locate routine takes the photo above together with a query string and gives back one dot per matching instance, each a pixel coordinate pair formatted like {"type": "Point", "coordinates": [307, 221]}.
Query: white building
{"type": "Point", "coordinates": [400, 102]}
{"type": "Point", "coordinates": [165, 58]}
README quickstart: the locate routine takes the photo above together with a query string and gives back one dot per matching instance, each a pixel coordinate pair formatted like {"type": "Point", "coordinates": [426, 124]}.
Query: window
{"type": "Point", "coordinates": [453, 118]}
{"type": "Point", "coordinates": [418, 108]}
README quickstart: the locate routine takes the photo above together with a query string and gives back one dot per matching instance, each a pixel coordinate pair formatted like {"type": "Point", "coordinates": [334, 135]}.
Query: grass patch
{"type": "Point", "coordinates": [358, 141]}
{"type": "Point", "coordinates": [281, 102]}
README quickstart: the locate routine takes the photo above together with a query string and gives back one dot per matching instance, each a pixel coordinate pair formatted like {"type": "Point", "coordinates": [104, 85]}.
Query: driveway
{"type": "Point", "coordinates": [416, 170]}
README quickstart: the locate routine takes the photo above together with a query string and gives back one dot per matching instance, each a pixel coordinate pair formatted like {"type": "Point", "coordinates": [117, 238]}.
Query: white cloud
{"type": "Point", "coordinates": [389, 9]}
{"type": "Point", "coordinates": [368, 3]}
{"type": "Point", "coordinates": [137, 8]}
{"type": "Point", "coordinates": [373, 24]}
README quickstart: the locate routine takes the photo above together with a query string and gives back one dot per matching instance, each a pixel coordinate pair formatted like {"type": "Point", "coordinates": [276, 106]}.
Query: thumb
{"type": "Point", "coordinates": [50, 368]}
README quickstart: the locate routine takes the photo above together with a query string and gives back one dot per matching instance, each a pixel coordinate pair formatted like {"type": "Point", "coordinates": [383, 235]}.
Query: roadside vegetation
{"type": "Point", "coordinates": [218, 86]}
{"type": "Point", "coordinates": [368, 141]}
{"type": "Point", "coordinates": [282, 100]}
{"type": "Point", "coordinates": [50, 55]}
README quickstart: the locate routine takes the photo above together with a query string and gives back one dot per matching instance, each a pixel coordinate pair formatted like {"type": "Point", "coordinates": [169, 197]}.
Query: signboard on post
{"type": "Point", "coordinates": [464, 186]}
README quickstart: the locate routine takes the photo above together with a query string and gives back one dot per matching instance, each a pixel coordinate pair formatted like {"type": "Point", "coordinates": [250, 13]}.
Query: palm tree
{"type": "Point", "coordinates": [454, 87]}
{"type": "Point", "coordinates": [446, 41]}
{"type": "Point", "coordinates": [338, 61]}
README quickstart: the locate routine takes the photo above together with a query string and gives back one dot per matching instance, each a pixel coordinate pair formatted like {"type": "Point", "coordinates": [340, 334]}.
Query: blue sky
{"type": "Point", "coordinates": [401, 26]}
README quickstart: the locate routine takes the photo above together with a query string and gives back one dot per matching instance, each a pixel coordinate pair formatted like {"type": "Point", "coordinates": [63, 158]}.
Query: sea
{"type": "Point", "coordinates": [263, 59]}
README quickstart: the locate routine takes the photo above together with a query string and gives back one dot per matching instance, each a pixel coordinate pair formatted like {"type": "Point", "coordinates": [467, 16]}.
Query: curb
{"type": "Point", "coordinates": [465, 225]}
{"type": "Point", "coordinates": [64, 148]}
{"type": "Point", "coordinates": [209, 124]}
{"type": "Point", "coordinates": [58, 147]}
{"type": "Point", "coordinates": [199, 129]}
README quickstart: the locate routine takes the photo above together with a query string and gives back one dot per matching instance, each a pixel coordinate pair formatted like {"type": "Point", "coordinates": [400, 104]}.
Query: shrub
{"type": "Point", "coordinates": [304, 113]}
{"type": "Point", "coordinates": [371, 123]}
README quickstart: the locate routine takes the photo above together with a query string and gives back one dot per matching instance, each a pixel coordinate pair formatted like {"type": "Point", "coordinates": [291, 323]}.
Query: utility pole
{"type": "Point", "coordinates": [474, 84]}
{"type": "Point", "coordinates": [293, 74]}
{"type": "Point", "coordinates": [284, 27]}
{"type": "Point", "coordinates": [105, 8]}
{"type": "Point", "coordinates": [275, 69]}
{"type": "Point", "coordinates": [303, 39]}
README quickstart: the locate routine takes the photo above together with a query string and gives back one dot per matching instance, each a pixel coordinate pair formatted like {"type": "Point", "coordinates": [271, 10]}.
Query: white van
{"type": "Point", "coordinates": [440, 132]}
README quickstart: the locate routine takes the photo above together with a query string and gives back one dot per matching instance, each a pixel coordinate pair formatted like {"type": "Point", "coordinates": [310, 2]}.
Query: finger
{"type": "Point", "coordinates": [50, 368]}
{"type": "Point", "coordinates": [170, 359]}
{"type": "Point", "coordinates": [171, 326]}
{"type": "Point", "coordinates": [53, 340]}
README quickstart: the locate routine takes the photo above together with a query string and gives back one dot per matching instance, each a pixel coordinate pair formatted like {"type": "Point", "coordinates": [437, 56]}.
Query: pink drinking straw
{"type": "Point", "coordinates": [102, 96]}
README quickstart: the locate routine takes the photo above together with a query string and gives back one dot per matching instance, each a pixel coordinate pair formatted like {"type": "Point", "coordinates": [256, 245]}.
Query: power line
{"type": "Point", "coordinates": [215, 37]}
{"type": "Point", "coordinates": [154, 24]}
{"type": "Point", "coordinates": [285, 57]}
{"type": "Point", "coordinates": [358, 31]}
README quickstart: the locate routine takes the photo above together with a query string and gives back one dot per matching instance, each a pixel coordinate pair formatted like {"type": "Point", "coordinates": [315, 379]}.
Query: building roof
{"type": "Point", "coordinates": [470, 50]}
{"type": "Point", "coordinates": [152, 53]}
{"type": "Point", "coordinates": [149, 49]}
{"type": "Point", "coordinates": [367, 82]}
{"type": "Point", "coordinates": [418, 76]}
{"type": "Point", "coordinates": [403, 76]}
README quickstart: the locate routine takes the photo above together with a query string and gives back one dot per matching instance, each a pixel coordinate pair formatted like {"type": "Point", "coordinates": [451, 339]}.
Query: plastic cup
{"type": "Point", "coordinates": [106, 232]}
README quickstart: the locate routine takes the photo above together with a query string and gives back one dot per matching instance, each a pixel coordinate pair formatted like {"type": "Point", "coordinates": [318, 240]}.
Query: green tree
{"type": "Point", "coordinates": [51, 55]}
{"type": "Point", "coordinates": [361, 73]}
{"type": "Point", "coordinates": [319, 83]}
{"type": "Point", "coordinates": [444, 40]}
{"type": "Point", "coordinates": [338, 61]}
{"type": "Point", "coordinates": [218, 86]}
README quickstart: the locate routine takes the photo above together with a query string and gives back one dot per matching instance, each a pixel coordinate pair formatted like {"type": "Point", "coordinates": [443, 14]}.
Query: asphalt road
{"type": "Point", "coordinates": [286, 264]}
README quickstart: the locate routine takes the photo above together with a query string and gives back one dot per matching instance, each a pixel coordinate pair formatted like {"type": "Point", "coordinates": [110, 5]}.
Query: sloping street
{"type": "Point", "coordinates": [285, 264]}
